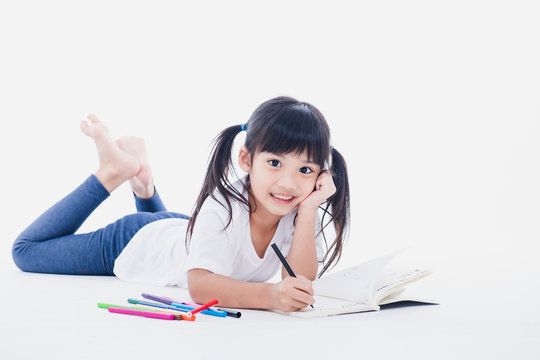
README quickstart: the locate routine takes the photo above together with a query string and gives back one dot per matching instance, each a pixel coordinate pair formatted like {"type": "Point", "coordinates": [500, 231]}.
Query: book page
{"type": "Point", "coordinates": [356, 284]}
{"type": "Point", "coordinates": [325, 306]}
{"type": "Point", "coordinates": [392, 279]}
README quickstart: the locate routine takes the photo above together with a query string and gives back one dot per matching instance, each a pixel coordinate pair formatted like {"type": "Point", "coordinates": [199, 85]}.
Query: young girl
{"type": "Point", "coordinates": [222, 250]}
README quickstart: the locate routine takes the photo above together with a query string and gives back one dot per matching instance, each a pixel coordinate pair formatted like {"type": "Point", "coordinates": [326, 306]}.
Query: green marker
{"type": "Point", "coordinates": [106, 306]}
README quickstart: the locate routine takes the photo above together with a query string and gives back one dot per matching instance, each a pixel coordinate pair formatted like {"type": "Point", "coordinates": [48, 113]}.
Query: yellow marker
{"type": "Point", "coordinates": [167, 311]}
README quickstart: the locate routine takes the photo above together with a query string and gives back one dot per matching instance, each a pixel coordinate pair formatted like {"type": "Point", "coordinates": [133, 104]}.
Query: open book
{"type": "Point", "coordinates": [364, 287]}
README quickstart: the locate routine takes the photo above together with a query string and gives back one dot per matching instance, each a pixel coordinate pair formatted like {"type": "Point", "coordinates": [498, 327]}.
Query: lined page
{"type": "Point", "coordinates": [391, 279]}
{"type": "Point", "coordinates": [325, 306]}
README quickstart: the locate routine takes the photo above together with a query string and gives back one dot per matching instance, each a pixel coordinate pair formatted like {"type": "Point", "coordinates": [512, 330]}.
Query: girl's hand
{"type": "Point", "coordinates": [324, 188]}
{"type": "Point", "coordinates": [292, 294]}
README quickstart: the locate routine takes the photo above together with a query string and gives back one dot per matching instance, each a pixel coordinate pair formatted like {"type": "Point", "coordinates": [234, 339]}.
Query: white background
{"type": "Point", "coordinates": [435, 106]}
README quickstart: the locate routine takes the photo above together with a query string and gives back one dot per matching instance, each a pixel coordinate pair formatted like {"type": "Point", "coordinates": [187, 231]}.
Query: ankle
{"type": "Point", "coordinates": [142, 191]}
{"type": "Point", "coordinates": [147, 194]}
{"type": "Point", "coordinates": [110, 178]}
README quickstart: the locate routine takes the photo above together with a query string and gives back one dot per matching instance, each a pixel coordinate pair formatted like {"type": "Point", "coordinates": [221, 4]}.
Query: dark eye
{"type": "Point", "coordinates": [306, 170]}
{"type": "Point", "coordinates": [274, 163]}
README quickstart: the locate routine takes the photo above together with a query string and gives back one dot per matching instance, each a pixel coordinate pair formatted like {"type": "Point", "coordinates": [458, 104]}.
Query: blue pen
{"type": "Point", "coordinates": [182, 306]}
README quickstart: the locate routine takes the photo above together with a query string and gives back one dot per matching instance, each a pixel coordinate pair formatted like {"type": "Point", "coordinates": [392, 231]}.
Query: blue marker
{"type": "Point", "coordinates": [207, 311]}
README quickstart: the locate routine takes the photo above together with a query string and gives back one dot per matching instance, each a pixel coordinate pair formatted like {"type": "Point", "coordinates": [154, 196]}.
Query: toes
{"type": "Point", "coordinates": [85, 128]}
{"type": "Point", "coordinates": [93, 118]}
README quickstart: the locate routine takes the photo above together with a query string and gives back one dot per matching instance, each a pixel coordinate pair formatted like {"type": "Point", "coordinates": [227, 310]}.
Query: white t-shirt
{"type": "Point", "coordinates": [156, 254]}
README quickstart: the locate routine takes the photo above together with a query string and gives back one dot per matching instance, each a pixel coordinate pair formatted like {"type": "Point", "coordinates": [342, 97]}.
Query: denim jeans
{"type": "Point", "coordinates": [50, 245]}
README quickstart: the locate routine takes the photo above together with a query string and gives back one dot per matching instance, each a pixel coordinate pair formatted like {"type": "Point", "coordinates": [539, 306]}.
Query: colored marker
{"type": "Point", "coordinates": [284, 262]}
{"type": "Point", "coordinates": [157, 298]}
{"type": "Point", "coordinates": [161, 306]}
{"type": "Point", "coordinates": [235, 314]}
{"type": "Point", "coordinates": [181, 315]}
{"type": "Point", "coordinates": [186, 305]}
{"type": "Point", "coordinates": [106, 306]}
{"type": "Point", "coordinates": [207, 311]}
{"type": "Point", "coordinates": [204, 307]}
{"type": "Point", "coordinates": [230, 313]}
{"type": "Point", "coordinates": [148, 314]}
{"type": "Point", "coordinates": [178, 305]}
{"type": "Point", "coordinates": [161, 299]}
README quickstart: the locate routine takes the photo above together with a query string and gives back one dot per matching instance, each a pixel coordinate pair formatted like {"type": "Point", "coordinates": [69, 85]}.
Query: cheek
{"type": "Point", "coordinates": [308, 188]}
{"type": "Point", "coordinates": [260, 184]}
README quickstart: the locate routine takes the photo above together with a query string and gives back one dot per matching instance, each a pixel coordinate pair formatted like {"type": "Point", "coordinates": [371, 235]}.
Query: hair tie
{"type": "Point", "coordinates": [243, 127]}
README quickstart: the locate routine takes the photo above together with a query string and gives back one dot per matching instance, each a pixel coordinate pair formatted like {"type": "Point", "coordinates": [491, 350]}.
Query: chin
{"type": "Point", "coordinates": [282, 211]}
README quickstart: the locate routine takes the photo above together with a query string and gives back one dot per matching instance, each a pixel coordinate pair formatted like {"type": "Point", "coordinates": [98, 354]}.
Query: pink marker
{"type": "Point", "coordinates": [190, 304]}
{"type": "Point", "coordinates": [149, 314]}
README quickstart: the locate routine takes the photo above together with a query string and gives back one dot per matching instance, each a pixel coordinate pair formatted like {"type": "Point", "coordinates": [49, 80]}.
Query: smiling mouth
{"type": "Point", "coordinates": [282, 198]}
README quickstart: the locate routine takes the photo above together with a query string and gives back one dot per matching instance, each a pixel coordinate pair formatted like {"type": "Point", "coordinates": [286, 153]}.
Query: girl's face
{"type": "Point", "coordinates": [279, 182]}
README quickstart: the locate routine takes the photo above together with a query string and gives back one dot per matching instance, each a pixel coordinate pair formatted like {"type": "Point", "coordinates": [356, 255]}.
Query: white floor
{"type": "Point", "coordinates": [56, 317]}
{"type": "Point", "coordinates": [435, 106]}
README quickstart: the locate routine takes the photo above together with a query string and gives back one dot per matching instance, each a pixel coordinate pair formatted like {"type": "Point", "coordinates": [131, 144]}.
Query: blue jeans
{"type": "Point", "coordinates": [50, 245]}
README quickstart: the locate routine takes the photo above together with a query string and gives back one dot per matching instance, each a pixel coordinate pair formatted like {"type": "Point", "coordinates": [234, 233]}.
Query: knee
{"type": "Point", "coordinates": [18, 253]}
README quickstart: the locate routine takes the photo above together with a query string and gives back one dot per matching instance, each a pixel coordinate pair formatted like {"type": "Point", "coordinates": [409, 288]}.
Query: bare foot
{"type": "Point", "coordinates": [115, 165]}
{"type": "Point", "coordinates": [142, 184]}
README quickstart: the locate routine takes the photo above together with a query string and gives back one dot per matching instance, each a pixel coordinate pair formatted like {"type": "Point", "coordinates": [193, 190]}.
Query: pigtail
{"type": "Point", "coordinates": [339, 203]}
{"type": "Point", "coordinates": [217, 177]}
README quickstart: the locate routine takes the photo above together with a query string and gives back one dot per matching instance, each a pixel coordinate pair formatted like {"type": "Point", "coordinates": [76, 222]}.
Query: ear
{"type": "Point", "coordinates": [244, 159]}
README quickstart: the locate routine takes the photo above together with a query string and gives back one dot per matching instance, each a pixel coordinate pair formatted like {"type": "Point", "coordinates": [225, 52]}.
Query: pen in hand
{"type": "Point", "coordinates": [285, 263]}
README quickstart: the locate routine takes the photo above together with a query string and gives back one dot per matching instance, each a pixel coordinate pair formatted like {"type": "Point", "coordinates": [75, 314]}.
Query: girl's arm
{"type": "Point", "coordinates": [302, 256]}
{"type": "Point", "coordinates": [290, 294]}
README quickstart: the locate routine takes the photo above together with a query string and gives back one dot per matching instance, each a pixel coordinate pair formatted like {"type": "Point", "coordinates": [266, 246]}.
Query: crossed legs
{"type": "Point", "coordinates": [50, 244]}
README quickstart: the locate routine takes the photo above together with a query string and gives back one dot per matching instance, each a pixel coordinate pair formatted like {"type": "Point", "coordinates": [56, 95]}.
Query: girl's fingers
{"type": "Point", "coordinates": [303, 298]}
{"type": "Point", "coordinates": [299, 300]}
{"type": "Point", "coordinates": [294, 293]}
{"type": "Point", "coordinates": [302, 292]}
{"type": "Point", "coordinates": [325, 184]}
{"type": "Point", "coordinates": [297, 305]}
{"type": "Point", "coordinates": [305, 285]}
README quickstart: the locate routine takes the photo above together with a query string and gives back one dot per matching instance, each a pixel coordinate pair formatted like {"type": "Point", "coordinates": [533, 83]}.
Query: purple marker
{"type": "Point", "coordinates": [157, 298]}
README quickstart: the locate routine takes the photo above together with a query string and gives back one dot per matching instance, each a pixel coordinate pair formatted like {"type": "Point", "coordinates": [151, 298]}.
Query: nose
{"type": "Point", "coordinates": [287, 182]}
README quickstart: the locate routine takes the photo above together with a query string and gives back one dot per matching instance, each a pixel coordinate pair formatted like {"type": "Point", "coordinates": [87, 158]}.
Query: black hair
{"type": "Point", "coordinates": [281, 125]}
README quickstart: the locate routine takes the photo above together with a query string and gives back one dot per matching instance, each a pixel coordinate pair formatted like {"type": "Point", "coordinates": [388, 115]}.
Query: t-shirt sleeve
{"type": "Point", "coordinates": [210, 248]}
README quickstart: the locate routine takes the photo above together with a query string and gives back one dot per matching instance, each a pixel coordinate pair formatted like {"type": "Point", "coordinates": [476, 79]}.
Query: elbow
{"type": "Point", "coordinates": [195, 294]}
{"type": "Point", "coordinates": [198, 287]}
